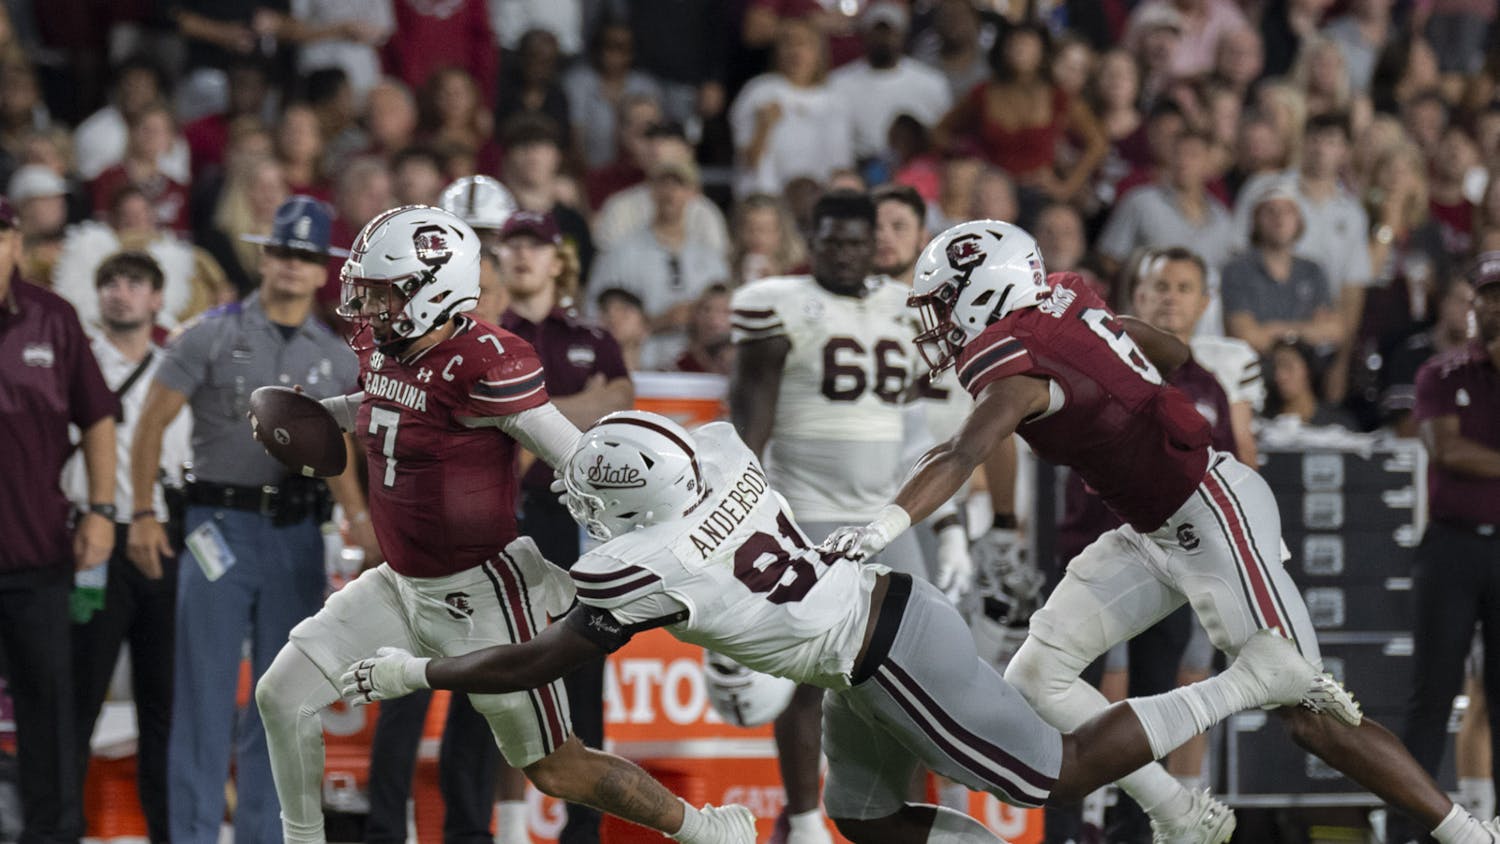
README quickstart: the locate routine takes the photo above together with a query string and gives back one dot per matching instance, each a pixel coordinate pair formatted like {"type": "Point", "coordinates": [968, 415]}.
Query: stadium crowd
{"type": "Point", "coordinates": [1329, 163]}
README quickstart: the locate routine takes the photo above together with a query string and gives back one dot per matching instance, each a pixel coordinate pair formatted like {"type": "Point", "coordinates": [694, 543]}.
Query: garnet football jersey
{"type": "Point", "coordinates": [1140, 443]}
{"type": "Point", "coordinates": [442, 475]}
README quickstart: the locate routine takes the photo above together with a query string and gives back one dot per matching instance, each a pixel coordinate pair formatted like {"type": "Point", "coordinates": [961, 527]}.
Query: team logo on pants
{"type": "Point", "coordinates": [459, 605]}
{"type": "Point", "coordinates": [1187, 536]}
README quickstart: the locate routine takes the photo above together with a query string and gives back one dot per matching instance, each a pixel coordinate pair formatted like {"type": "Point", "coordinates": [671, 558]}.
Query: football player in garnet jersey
{"type": "Point", "coordinates": [1045, 358]}
{"type": "Point", "coordinates": [697, 542]}
{"type": "Point", "coordinates": [446, 400]}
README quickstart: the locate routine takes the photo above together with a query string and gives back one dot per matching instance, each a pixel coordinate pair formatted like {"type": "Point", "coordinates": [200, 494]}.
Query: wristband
{"type": "Point", "coordinates": [893, 519]}
{"type": "Point", "coordinates": [1004, 521]}
{"type": "Point", "coordinates": [948, 521]}
{"type": "Point", "coordinates": [141, 514]}
{"type": "Point", "coordinates": [415, 673]}
{"type": "Point", "coordinates": [362, 516]}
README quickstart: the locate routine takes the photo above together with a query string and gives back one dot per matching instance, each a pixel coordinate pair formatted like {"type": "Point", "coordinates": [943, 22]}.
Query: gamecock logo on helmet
{"type": "Point", "coordinates": [432, 245]}
{"type": "Point", "coordinates": [964, 252]}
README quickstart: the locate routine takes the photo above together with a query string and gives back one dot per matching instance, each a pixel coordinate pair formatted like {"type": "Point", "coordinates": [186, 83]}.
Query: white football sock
{"type": "Point", "coordinates": [289, 696]}
{"type": "Point", "coordinates": [1477, 794]}
{"type": "Point", "coordinates": [950, 827]}
{"type": "Point", "coordinates": [1171, 719]}
{"type": "Point", "coordinates": [1460, 827]}
{"type": "Point", "coordinates": [511, 828]}
{"type": "Point", "coordinates": [807, 828]}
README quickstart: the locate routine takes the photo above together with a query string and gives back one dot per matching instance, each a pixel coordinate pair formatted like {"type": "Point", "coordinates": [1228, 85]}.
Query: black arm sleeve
{"type": "Point", "coordinates": [603, 629]}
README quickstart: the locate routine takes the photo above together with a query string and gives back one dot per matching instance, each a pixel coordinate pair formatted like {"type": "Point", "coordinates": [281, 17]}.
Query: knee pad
{"type": "Point", "coordinates": [292, 689]}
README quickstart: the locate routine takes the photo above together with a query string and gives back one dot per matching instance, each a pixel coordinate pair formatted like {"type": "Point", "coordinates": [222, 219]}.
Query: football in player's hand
{"type": "Point", "coordinates": [297, 430]}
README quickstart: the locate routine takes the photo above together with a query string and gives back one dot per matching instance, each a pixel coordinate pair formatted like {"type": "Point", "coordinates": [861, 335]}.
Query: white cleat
{"type": "Point", "coordinates": [1207, 821]}
{"type": "Point", "coordinates": [1492, 826]}
{"type": "Point", "coordinates": [1328, 696]}
{"type": "Point", "coordinates": [730, 824]}
{"type": "Point", "coordinates": [1278, 668]}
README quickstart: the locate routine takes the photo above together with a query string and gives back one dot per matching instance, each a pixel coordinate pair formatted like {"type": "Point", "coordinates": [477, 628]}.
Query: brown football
{"type": "Point", "coordinates": [298, 431]}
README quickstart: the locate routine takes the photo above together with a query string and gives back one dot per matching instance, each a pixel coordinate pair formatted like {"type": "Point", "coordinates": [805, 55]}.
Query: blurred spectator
{"type": "Point", "coordinates": [1113, 94]}
{"type": "Point", "coordinates": [834, 24]}
{"type": "Point", "coordinates": [51, 380]}
{"type": "Point", "coordinates": [194, 281]}
{"type": "Point", "coordinates": [955, 46]}
{"type": "Point", "coordinates": [596, 90]}
{"type": "Point", "coordinates": [1176, 209]}
{"type": "Point", "coordinates": [217, 33]}
{"type": "Point", "coordinates": [138, 605]}
{"type": "Point", "coordinates": [342, 34]}
{"type": "Point", "coordinates": [1321, 73]}
{"type": "Point", "coordinates": [1283, 104]}
{"type": "Point", "coordinates": [766, 241]}
{"type": "Point", "coordinates": [416, 177]}
{"type": "Point", "coordinates": [662, 264]}
{"type": "Point", "coordinates": [1269, 293]}
{"type": "Point", "coordinates": [1398, 374]}
{"type": "Point", "coordinates": [709, 347]}
{"type": "Point", "coordinates": [625, 320]}
{"type": "Point", "coordinates": [493, 297]}
{"type": "Point", "coordinates": [886, 83]}
{"type": "Point", "coordinates": [631, 209]}
{"type": "Point", "coordinates": [428, 37]}
{"type": "Point", "coordinates": [299, 147]}
{"type": "Point", "coordinates": [1455, 169]}
{"type": "Point", "coordinates": [247, 206]}
{"type": "Point", "coordinates": [1153, 149]}
{"type": "Point", "coordinates": [912, 159]}
{"type": "Point", "coordinates": [1019, 116]}
{"type": "Point", "coordinates": [533, 162]}
{"type": "Point", "coordinates": [789, 122]}
{"type": "Point", "coordinates": [1202, 24]}
{"type": "Point", "coordinates": [685, 53]}
{"type": "Point", "coordinates": [1406, 242]}
{"type": "Point", "coordinates": [40, 198]}
{"type": "Point", "coordinates": [1258, 150]}
{"type": "Point", "coordinates": [511, 20]}
{"type": "Point", "coordinates": [208, 137]}
{"type": "Point", "coordinates": [1285, 27]}
{"type": "Point", "coordinates": [22, 112]}
{"type": "Point", "coordinates": [1156, 49]}
{"type": "Point", "coordinates": [452, 113]}
{"type": "Point", "coordinates": [1406, 66]}
{"type": "Point", "coordinates": [331, 97]}
{"type": "Point", "coordinates": [995, 197]}
{"type": "Point", "coordinates": [1072, 65]}
{"type": "Point", "coordinates": [1295, 388]}
{"type": "Point", "coordinates": [1383, 133]}
{"type": "Point", "coordinates": [1062, 237]}
{"type": "Point", "coordinates": [900, 231]}
{"type": "Point", "coordinates": [1459, 31]}
{"type": "Point", "coordinates": [1424, 115]}
{"type": "Point", "coordinates": [99, 141]}
{"type": "Point", "coordinates": [1360, 33]}
{"type": "Point", "coordinates": [363, 191]}
{"type": "Point", "coordinates": [1239, 59]}
{"type": "Point", "coordinates": [152, 133]}
{"type": "Point", "coordinates": [638, 122]}
{"type": "Point", "coordinates": [956, 200]}
{"type": "Point", "coordinates": [531, 84]}
{"type": "Point", "coordinates": [390, 117]}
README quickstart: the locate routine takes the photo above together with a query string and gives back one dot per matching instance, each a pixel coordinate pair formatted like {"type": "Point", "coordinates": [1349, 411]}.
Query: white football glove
{"type": "Point", "coordinates": [391, 673]}
{"type": "Point", "coordinates": [955, 565]}
{"type": "Point", "coordinates": [861, 543]}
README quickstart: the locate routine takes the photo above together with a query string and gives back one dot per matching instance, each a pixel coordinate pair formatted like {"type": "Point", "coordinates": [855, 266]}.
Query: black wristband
{"type": "Point", "coordinates": [945, 522]}
{"type": "Point", "coordinates": [1004, 521]}
{"type": "Point", "coordinates": [141, 514]}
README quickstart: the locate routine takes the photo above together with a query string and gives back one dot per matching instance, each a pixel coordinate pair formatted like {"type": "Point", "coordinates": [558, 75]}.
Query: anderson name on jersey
{"type": "Point", "coordinates": [736, 575]}
{"type": "Point", "coordinates": [442, 475]}
{"type": "Point", "coordinates": [835, 450]}
{"type": "Point", "coordinates": [1137, 441]}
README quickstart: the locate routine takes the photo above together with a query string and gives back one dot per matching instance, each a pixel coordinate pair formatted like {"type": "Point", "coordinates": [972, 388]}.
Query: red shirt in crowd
{"type": "Point", "coordinates": [1456, 224]}
{"type": "Point", "coordinates": [169, 199]}
{"type": "Point", "coordinates": [433, 34]}
{"type": "Point", "coordinates": [207, 139]}
{"type": "Point", "coordinates": [843, 47]}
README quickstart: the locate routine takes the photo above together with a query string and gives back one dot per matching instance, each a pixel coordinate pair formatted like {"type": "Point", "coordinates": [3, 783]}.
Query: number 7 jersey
{"type": "Point", "coordinates": [754, 588]}
{"type": "Point", "coordinates": [835, 449]}
{"type": "Point", "coordinates": [443, 478]}
{"type": "Point", "coordinates": [1141, 444]}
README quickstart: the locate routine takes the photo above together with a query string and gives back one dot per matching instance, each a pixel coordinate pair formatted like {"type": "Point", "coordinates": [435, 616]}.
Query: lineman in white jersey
{"type": "Point", "coordinates": [697, 542]}
{"type": "Point", "coordinates": [822, 366]}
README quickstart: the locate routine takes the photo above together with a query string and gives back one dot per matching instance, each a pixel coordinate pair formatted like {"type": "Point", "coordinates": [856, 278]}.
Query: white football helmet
{"type": "Point", "coordinates": [741, 695]}
{"type": "Point", "coordinates": [968, 277]}
{"type": "Point", "coordinates": [480, 201]}
{"type": "Point", "coordinates": [410, 270]}
{"type": "Point", "coordinates": [631, 469]}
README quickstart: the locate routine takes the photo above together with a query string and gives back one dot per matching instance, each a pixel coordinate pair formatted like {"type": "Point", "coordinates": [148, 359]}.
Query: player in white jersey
{"type": "Point", "coordinates": [697, 542]}
{"type": "Point", "coordinates": [822, 366]}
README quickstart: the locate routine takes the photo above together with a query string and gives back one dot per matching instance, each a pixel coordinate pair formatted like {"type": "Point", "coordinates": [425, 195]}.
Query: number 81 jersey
{"type": "Point", "coordinates": [754, 588]}
{"type": "Point", "coordinates": [442, 474]}
{"type": "Point", "coordinates": [835, 447]}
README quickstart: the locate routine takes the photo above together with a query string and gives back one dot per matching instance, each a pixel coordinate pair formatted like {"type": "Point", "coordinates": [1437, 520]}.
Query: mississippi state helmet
{"type": "Point", "coordinates": [742, 696]}
{"type": "Point", "coordinates": [631, 469]}
{"type": "Point", "coordinates": [410, 270]}
{"type": "Point", "coordinates": [968, 277]}
{"type": "Point", "coordinates": [480, 201]}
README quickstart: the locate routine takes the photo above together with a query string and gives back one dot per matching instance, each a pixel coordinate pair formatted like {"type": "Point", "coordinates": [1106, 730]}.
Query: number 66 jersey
{"type": "Point", "coordinates": [735, 575]}
{"type": "Point", "coordinates": [835, 451]}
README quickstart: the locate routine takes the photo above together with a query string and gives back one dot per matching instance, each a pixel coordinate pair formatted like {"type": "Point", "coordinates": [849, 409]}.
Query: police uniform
{"type": "Point", "coordinates": [255, 564]}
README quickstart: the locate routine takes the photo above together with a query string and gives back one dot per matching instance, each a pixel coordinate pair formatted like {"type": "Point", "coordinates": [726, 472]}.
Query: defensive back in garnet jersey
{"type": "Point", "coordinates": [442, 474]}
{"type": "Point", "coordinates": [1140, 443]}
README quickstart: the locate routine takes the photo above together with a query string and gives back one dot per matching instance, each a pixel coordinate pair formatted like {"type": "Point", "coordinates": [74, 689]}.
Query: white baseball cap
{"type": "Point", "coordinates": [35, 180]}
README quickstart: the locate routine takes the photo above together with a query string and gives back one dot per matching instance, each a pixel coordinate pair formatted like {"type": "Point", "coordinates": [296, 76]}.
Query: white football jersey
{"type": "Point", "coordinates": [754, 588]}
{"type": "Point", "coordinates": [1235, 365]}
{"type": "Point", "coordinates": [835, 450]}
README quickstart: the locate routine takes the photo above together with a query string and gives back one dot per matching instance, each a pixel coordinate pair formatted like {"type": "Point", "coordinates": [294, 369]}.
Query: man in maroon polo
{"type": "Point", "coordinates": [48, 379]}
{"type": "Point", "coordinates": [1457, 573]}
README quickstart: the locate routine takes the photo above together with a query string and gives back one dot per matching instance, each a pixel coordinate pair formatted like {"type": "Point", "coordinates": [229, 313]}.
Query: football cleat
{"type": "Point", "coordinates": [1328, 696]}
{"type": "Point", "coordinates": [1207, 821]}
